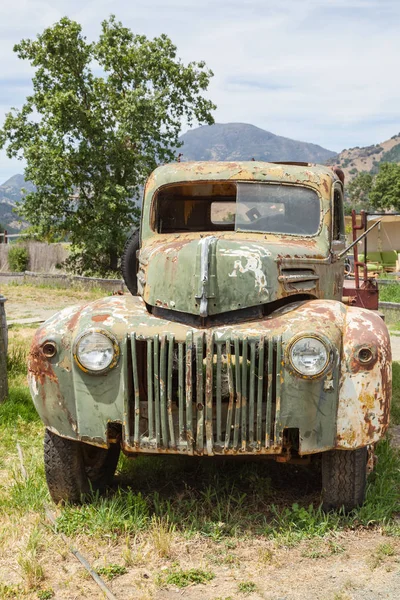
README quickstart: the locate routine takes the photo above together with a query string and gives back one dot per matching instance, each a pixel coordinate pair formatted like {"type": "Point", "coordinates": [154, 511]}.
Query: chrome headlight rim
{"type": "Point", "coordinates": [114, 343]}
{"type": "Point", "coordinates": [329, 355]}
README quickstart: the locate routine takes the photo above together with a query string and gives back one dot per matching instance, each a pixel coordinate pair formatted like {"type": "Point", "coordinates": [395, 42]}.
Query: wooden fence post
{"type": "Point", "coordinates": [3, 351]}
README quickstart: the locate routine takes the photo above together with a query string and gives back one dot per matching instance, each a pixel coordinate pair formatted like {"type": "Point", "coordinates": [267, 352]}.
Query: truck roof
{"type": "Point", "coordinates": [288, 172]}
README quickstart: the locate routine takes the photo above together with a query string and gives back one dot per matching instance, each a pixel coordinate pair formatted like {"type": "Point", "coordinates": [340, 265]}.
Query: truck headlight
{"type": "Point", "coordinates": [309, 356]}
{"type": "Point", "coordinates": [96, 351]}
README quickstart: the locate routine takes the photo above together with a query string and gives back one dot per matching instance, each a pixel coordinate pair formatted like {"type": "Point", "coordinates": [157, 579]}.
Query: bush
{"type": "Point", "coordinates": [18, 258]}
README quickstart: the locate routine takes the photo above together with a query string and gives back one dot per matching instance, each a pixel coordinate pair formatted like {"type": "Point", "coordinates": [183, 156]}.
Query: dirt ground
{"type": "Point", "coordinates": [349, 566]}
{"type": "Point", "coordinates": [27, 303]}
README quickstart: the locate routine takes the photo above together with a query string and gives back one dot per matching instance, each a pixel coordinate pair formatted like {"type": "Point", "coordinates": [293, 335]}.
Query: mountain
{"type": "Point", "coordinates": [10, 194]}
{"type": "Point", "coordinates": [355, 160]}
{"type": "Point", "coordinates": [240, 141]}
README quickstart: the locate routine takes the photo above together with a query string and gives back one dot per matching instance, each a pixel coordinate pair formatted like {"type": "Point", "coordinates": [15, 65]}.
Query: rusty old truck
{"type": "Point", "coordinates": [233, 340]}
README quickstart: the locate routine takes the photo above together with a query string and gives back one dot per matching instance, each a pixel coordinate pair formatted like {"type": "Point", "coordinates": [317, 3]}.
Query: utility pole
{"type": "Point", "coordinates": [3, 351]}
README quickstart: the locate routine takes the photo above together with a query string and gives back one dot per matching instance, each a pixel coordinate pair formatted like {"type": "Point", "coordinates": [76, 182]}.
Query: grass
{"type": "Point", "coordinates": [72, 289]}
{"type": "Point", "coordinates": [389, 293]}
{"type": "Point", "coordinates": [165, 496]}
{"type": "Point", "coordinates": [395, 410]}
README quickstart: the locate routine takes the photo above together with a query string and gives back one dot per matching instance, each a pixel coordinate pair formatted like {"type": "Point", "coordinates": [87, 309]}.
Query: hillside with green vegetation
{"type": "Point", "coordinates": [367, 159]}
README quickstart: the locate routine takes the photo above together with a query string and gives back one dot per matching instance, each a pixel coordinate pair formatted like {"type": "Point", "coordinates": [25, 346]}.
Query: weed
{"type": "Point", "coordinates": [45, 594]}
{"type": "Point", "coordinates": [16, 359]}
{"type": "Point", "coordinates": [247, 587]}
{"type": "Point", "coordinates": [341, 596]}
{"type": "Point", "coordinates": [314, 550]}
{"type": "Point", "coordinates": [31, 569]}
{"type": "Point", "coordinates": [161, 533]}
{"type": "Point", "coordinates": [10, 591]}
{"type": "Point", "coordinates": [111, 571]}
{"type": "Point", "coordinates": [385, 550]}
{"type": "Point", "coordinates": [378, 556]}
{"type": "Point", "coordinates": [266, 556]}
{"type": "Point", "coordinates": [181, 578]}
{"type": "Point", "coordinates": [221, 558]}
{"type": "Point", "coordinates": [334, 547]}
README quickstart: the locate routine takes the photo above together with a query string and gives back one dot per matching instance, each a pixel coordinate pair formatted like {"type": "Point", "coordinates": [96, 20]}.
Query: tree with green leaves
{"type": "Point", "coordinates": [359, 189]}
{"type": "Point", "coordinates": [385, 192]}
{"type": "Point", "coordinates": [100, 118]}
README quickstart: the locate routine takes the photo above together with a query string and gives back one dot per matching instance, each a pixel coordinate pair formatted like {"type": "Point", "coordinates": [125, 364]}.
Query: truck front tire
{"type": "Point", "coordinates": [344, 478]}
{"type": "Point", "coordinates": [73, 468]}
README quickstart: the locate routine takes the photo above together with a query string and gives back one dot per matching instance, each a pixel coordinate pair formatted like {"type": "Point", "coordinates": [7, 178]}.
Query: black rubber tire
{"type": "Point", "coordinates": [129, 262]}
{"type": "Point", "coordinates": [344, 478]}
{"type": "Point", "coordinates": [73, 468]}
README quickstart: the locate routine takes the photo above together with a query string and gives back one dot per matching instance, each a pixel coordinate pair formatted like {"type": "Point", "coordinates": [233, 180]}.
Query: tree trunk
{"type": "Point", "coordinates": [3, 351]}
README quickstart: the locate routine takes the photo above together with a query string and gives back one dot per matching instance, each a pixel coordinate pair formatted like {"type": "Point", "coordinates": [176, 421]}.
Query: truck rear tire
{"type": "Point", "coordinates": [344, 478]}
{"type": "Point", "coordinates": [74, 468]}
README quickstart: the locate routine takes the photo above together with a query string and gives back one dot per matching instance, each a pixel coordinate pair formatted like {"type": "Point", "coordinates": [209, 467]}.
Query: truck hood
{"type": "Point", "coordinates": [212, 274]}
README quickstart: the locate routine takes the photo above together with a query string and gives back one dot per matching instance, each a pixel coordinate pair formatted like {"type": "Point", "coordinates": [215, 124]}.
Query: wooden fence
{"type": "Point", "coordinates": [43, 258]}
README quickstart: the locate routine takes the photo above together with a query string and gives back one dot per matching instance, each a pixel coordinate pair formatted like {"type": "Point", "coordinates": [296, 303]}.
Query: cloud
{"type": "Point", "coordinates": [322, 71]}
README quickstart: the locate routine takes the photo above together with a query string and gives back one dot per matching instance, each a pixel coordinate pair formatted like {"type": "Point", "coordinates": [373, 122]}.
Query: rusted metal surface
{"type": "Point", "coordinates": [262, 395]}
{"type": "Point", "coordinates": [365, 387]}
{"type": "Point", "coordinates": [205, 362]}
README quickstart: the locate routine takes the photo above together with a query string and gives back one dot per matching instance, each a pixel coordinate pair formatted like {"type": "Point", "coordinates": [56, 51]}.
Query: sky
{"type": "Point", "coordinates": [320, 71]}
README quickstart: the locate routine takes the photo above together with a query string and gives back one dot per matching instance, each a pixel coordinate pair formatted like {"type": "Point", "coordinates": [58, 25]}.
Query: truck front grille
{"type": "Point", "coordinates": [204, 395]}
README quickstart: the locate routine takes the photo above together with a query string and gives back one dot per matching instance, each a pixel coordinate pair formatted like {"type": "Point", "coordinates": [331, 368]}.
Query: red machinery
{"type": "Point", "coordinates": [361, 291]}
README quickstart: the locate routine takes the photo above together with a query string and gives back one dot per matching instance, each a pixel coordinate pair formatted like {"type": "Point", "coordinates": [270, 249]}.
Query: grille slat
{"type": "Point", "coordinates": [277, 427]}
{"type": "Point", "coordinates": [189, 392]}
{"type": "Point", "coordinates": [209, 393]}
{"type": "Point", "coordinates": [238, 395]}
{"type": "Point", "coordinates": [150, 387]}
{"type": "Point", "coordinates": [200, 393]}
{"type": "Point", "coordinates": [219, 392]}
{"type": "Point", "coordinates": [244, 393]}
{"type": "Point", "coordinates": [163, 391]}
{"type": "Point", "coordinates": [181, 398]}
{"type": "Point", "coordinates": [252, 390]}
{"type": "Point", "coordinates": [169, 391]}
{"type": "Point", "coordinates": [157, 389]}
{"type": "Point", "coordinates": [270, 382]}
{"type": "Point", "coordinates": [260, 383]}
{"type": "Point", "coordinates": [231, 394]}
{"type": "Point", "coordinates": [204, 395]}
{"type": "Point", "coordinates": [136, 390]}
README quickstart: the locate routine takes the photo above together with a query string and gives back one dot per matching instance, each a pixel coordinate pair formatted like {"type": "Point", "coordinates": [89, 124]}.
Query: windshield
{"type": "Point", "coordinates": [258, 207]}
{"type": "Point", "coordinates": [276, 209]}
